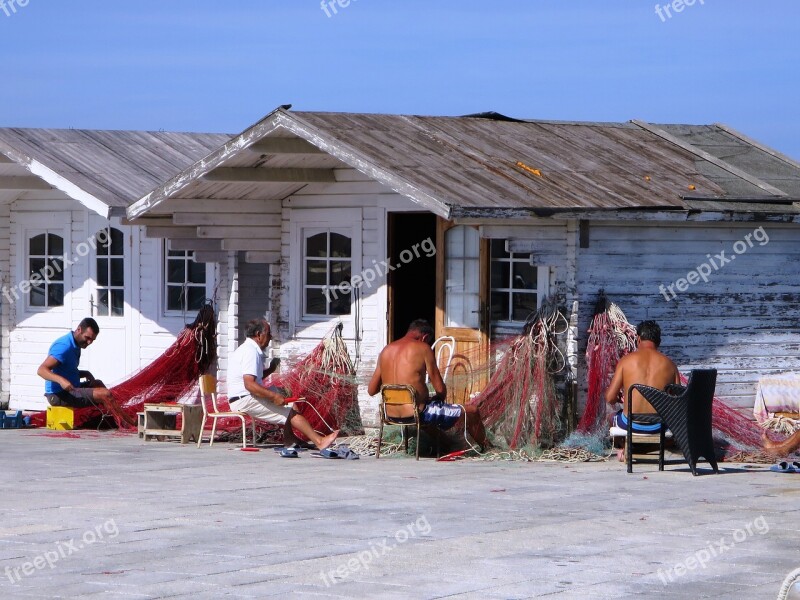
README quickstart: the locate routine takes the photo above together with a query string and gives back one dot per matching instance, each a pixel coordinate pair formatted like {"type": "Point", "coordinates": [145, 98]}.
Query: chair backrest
{"type": "Point", "coordinates": [208, 387]}
{"type": "Point", "coordinates": [700, 396]}
{"type": "Point", "coordinates": [397, 395]}
{"type": "Point", "coordinates": [445, 348]}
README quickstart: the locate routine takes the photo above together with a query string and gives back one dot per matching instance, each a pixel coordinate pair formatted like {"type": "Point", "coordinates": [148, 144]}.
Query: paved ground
{"type": "Point", "coordinates": [110, 516]}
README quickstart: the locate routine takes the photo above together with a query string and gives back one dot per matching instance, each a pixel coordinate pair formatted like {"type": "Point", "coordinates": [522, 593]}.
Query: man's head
{"type": "Point", "coordinates": [260, 331]}
{"type": "Point", "coordinates": [649, 331]}
{"type": "Point", "coordinates": [86, 333]}
{"type": "Point", "coordinates": [421, 330]}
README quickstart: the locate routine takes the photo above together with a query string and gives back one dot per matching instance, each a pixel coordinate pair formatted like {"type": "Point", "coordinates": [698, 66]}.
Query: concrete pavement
{"type": "Point", "coordinates": [107, 515]}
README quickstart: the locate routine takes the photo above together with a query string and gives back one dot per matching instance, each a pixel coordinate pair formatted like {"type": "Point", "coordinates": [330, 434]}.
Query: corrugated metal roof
{"type": "Point", "coordinates": [116, 167]}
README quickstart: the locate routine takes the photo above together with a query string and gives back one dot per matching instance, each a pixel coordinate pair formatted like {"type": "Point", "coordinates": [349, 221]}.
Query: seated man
{"type": "Point", "coordinates": [646, 365]}
{"type": "Point", "coordinates": [247, 395]}
{"type": "Point", "coordinates": [405, 362]}
{"type": "Point", "coordinates": [63, 385]}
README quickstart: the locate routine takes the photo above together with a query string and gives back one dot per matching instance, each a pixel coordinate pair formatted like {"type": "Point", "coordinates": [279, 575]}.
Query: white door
{"type": "Point", "coordinates": [110, 284]}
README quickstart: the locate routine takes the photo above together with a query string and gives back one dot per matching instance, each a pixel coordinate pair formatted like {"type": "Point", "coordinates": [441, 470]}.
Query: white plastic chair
{"type": "Point", "coordinates": [208, 387]}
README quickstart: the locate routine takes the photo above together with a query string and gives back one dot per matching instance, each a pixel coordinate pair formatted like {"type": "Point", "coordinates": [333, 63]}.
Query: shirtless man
{"type": "Point", "coordinates": [406, 362]}
{"type": "Point", "coordinates": [647, 366]}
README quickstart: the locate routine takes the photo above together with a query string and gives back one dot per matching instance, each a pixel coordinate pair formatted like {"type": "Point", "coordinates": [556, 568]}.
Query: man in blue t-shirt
{"type": "Point", "coordinates": [63, 386]}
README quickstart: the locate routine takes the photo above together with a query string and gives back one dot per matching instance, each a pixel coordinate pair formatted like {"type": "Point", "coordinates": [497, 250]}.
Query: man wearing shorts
{"type": "Point", "coordinates": [246, 394]}
{"type": "Point", "coordinates": [645, 365]}
{"type": "Point", "coordinates": [406, 362]}
{"type": "Point", "coordinates": [63, 386]}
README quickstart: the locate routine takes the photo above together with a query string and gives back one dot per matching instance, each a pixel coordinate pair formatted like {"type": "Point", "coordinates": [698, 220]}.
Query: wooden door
{"type": "Point", "coordinates": [462, 305]}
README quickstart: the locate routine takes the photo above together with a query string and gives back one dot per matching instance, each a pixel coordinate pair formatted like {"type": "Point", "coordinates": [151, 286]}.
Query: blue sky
{"type": "Point", "coordinates": [209, 65]}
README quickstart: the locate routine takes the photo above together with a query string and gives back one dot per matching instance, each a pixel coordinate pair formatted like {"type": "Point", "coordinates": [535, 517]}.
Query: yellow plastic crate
{"type": "Point", "coordinates": [60, 418]}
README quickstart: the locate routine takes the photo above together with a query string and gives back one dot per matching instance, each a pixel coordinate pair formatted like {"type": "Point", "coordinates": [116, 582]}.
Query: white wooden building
{"type": "Point", "coordinates": [59, 189]}
{"type": "Point", "coordinates": [301, 202]}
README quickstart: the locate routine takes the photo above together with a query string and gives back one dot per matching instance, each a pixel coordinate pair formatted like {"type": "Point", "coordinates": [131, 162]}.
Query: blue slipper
{"type": "Point", "coordinates": [329, 453]}
{"type": "Point", "coordinates": [289, 453]}
{"type": "Point", "coordinates": [785, 467]}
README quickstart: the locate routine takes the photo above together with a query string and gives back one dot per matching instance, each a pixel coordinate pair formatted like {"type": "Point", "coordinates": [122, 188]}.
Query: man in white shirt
{"type": "Point", "coordinates": [247, 395]}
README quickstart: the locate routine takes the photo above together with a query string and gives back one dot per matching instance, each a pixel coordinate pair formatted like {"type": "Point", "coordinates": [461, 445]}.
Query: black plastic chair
{"type": "Point", "coordinates": [687, 413]}
{"type": "Point", "coordinates": [643, 419]}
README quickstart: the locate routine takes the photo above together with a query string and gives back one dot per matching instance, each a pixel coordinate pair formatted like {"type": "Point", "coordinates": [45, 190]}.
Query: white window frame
{"type": "Point", "coordinates": [345, 221]}
{"type": "Point", "coordinates": [28, 226]}
{"type": "Point", "coordinates": [96, 273]}
{"type": "Point", "coordinates": [187, 314]}
{"type": "Point", "coordinates": [542, 284]}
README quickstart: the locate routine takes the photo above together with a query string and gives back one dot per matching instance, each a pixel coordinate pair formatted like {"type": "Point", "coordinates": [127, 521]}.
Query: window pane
{"type": "Point", "coordinates": [340, 272]}
{"type": "Point", "coordinates": [340, 245]}
{"type": "Point", "coordinates": [174, 298]}
{"type": "Point", "coordinates": [102, 272]}
{"type": "Point", "coordinates": [103, 242]}
{"type": "Point", "coordinates": [36, 245]}
{"type": "Point", "coordinates": [316, 272]}
{"type": "Point", "coordinates": [117, 303]}
{"type": "Point", "coordinates": [524, 276]}
{"type": "Point", "coordinates": [117, 242]}
{"type": "Point", "coordinates": [56, 272]}
{"type": "Point", "coordinates": [315, 302]}
{"type": "Point", "coordinates": [197, 272]}
{"type": "Point", "coordinates": [55, 244]}
{"type": "Point", "coordinates": [317, 245]}
{"type": "Point", "coordinates": [118, 272]}
{"type": "Point", "coordinates": [340, 305]}
{"type": "Point", "coordinates": [36, 266]}
{"type": "Point", "coordinates": [196, 299]}
{"type": "Point", "coordinates": [500, 271]}
{"type": "Point", "coordinates": [55, 294]}
{"type": "Point", "coordinates": [102, 303]}
{"type": "Point", "coordinates": [36, 297]}
{"type": "Point", "coordinates": [524, 305]}
{"type": "Point", "coordinates": [176, 271]}
{"type": "Point", "coordinates": [499, 308]}
{"type": "Point", "coordinates": [176, 252]}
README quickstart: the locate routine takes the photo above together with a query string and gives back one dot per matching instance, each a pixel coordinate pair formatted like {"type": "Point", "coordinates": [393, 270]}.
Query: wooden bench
{"type": "Point", "coordinates": [159, 421]}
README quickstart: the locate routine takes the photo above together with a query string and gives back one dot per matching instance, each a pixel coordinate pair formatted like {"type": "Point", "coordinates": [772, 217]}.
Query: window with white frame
{"type": "Point", "coordinates": [185, 281]}
{"type": "Point", "coordinates": [110, 273]}
{"type": "Point", "coordinates": [327, 269]}
{"type": "Point", "coordinates": [517, 286]}
{"type": "Point", "coordinates": [45, 270]}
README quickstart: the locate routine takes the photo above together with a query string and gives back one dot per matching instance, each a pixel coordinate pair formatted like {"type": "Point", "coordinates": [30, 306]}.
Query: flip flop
{"type": "Point", "coordinates": [785, 467]}
{"type": "Point", "coordinates": [289, 453]}
{"type": "Point", "coordinates": [328, 453]}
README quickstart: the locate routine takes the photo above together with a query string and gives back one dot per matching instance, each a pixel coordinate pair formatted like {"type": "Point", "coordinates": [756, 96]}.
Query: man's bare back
{"type": "Point", "coordinates": [646, 365]}
{"type": "Point", "coordinates": [407, 361]}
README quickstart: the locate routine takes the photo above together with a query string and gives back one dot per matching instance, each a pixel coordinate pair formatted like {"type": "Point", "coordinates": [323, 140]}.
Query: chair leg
{"type": "Point", "coordinates": [417, 444]}
{"type": "Point", "coordinates": [661, 443]}
{"type": "Point", "coordinates": [629, 449]}
{"type": "Point", "coordinates": [380, 440]}
{"type": "Point", "coordinates": [200, 435]}
{"type": "Point", "coordinates": [213, 432]}
{"type": "Point", "coordinates": [244, 433]}
{"type": "Point", "coordinates": [253, 424]}
{"type": "Point", "coordinates": [405, 438]}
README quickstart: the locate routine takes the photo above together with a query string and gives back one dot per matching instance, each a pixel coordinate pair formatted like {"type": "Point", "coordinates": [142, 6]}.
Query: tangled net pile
{"type": "Point", "coordinates": [520, 406]}
{"type": "Point", "coordinates": [172, 377]}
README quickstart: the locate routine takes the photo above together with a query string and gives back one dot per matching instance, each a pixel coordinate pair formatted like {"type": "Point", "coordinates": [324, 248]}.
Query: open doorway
{"type": "Point", "coordinates": [412, 283]}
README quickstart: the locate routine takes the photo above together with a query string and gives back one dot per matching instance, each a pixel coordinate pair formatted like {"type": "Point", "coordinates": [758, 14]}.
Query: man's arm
{"type": "Point", "coordinates": [435, 376]}
{"type": "Point", "coordinates": [375, 383]}
{"type": "Point", "coordinates": [612, 393]}
{"type": "Point", "coordinates": [256, 389]}
{"type": "Point", "coordinates": [45, 371]}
